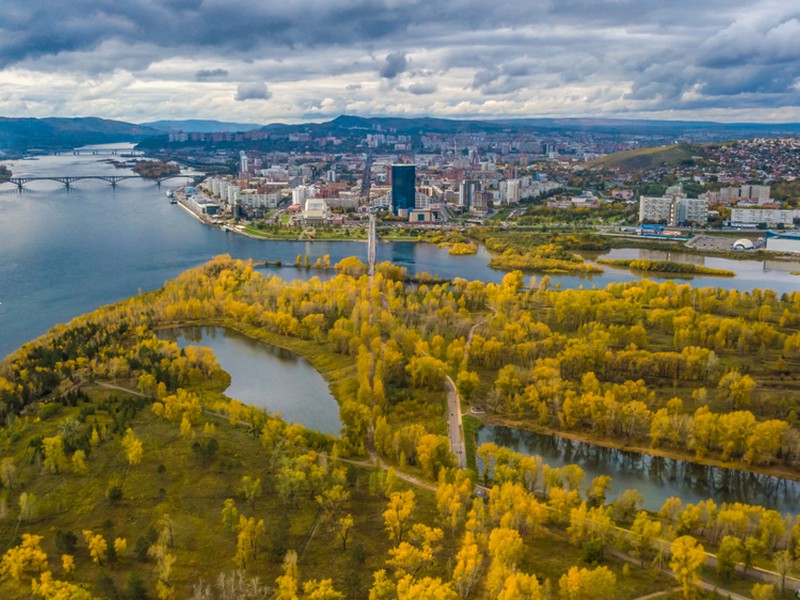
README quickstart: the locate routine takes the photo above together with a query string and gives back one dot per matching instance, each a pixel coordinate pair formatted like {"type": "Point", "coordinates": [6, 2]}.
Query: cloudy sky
{"type": "Point", "coordinates": [296, 60]}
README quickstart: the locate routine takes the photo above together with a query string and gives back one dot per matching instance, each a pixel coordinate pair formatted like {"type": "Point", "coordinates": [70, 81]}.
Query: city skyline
{"type": "Point", "coordinates": [311, 60]}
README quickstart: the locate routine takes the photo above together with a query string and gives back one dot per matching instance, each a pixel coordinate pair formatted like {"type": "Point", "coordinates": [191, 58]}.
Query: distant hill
{"type": "Point", "coordinates": [21, 134]}
{"type": "Point", "coordinates": [650, 158]}
{"type": "Point", "coordinates": [419, 125]}
{"type": "Point", "coordinates": [667, 129]}
{"type": "Point", "coordinates": [200, 126]}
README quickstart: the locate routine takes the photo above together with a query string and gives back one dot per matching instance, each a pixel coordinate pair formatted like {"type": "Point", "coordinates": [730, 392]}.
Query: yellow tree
{"type": "Point", "coordinates": [120, 546]}
{"type": "Point", "coordinates": [288, 582]}
{"type": "Point", "coordinates": [230, 515]}
{"type": "Point", "coordinates": [251, 489]}
{"type": "Point", "coordinates": [67, 563]}
{"type": "Point", "coordinates": [28, 557]}
{"type": "Point", "coordinates": [383, 588]}
{"type": "Point", "coordinates": [94, 440]}
{"type": "Point", "coordinates": [79, 462]}
{"type": "Point", "coordinates": [585, 584]}
{"type": "Point", "coordinates": [54, 458]}
{"type": "Point", "coordinates": [468, 565]}
{"type": "Point", "coordinates": [451, 499]}
{"type": "Point", "coordinates": [589, 525]}
{"type": "Point", "coordinates": [736, 389]}
{"type": "Point", "coordinates": [250, 532]}
{"type": "Point", "coordinates": [688, 556]}
{"type": "Point", "coordinates": [164, 563]}
{"type": "Point", "coordinates": [505, 549]}
{"type": "Point", "coordinates": [133, 447]}
{"type": "Point", "coordinates": [343, 527]}
{"type": "Point", "coordinates": [53, 589]}
{"type": "Point", "coordinates": [97, 546]}
{"type": "Point", "coordinates": [397, 515]}
{"type": "Point", "coordinates": [644, 533]}
{"type": "Point", "coordinates": [763, 591]}
{"type": "Point", "coordinates": [427, 588]}
{"type": "Point", "coordinates": [320, 590]}
{"type": "Point", "coordinates": [521, 586]}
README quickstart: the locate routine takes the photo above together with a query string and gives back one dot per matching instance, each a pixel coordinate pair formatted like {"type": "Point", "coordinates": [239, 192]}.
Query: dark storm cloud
{"type": "Point", "coordinates": [395, 63]}
{"type": "Point", "coordinates": [505, 79]}
{"type": "Point", "coordinates": [252, 91]}
{"type": "Point", "coordinates": [211, 74]}
{"type": "Point", "coordinates": [422, 88]}
{"type": "Point", "coordinates": [666, 55]}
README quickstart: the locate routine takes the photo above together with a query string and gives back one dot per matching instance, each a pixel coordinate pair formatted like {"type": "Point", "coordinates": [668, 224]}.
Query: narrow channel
{"type": "Point", "coordinates": [657, 478]}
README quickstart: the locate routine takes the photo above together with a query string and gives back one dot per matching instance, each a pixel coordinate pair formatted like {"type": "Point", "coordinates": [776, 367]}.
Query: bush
{"type": "Point", "coordinates": [360, 553]}
{"type": "Point", "coordinates": [114, 492]}
{"type": "Point", "coordinates": [66, 542]}
{"type": "Point", "coordinates": [592, 552]}
{"type": "Point", "coordinates": [48, 410]}
{"type": "Point", "coordinates": [140, 549]}
{"type": "Point", "coordinates": [136, 588]}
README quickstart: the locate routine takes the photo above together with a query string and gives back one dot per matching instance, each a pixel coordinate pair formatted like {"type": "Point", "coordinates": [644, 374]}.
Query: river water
{"type": "Point", "coordinates": [64, 253]}
{"type": "Point", "coordinates": [655, 477]}
{"type": "Point", "coordinates": [267, 376]}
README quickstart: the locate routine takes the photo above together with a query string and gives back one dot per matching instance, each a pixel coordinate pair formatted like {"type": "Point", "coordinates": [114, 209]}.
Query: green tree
{"type": "Point", "coordinates": [251, 489]}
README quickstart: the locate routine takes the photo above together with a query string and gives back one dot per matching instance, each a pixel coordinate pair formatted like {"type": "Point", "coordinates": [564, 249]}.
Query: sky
{"type": "Point", "coordinates": [264, 61]}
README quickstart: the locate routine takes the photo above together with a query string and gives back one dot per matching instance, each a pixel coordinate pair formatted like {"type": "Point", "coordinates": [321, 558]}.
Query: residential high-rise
{"type": "Point", "coordinates": [403, 188]}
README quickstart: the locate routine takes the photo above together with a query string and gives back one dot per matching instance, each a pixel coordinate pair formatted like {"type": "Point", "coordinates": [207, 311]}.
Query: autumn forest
{"type": "Point", "coordinates": [126, 472]}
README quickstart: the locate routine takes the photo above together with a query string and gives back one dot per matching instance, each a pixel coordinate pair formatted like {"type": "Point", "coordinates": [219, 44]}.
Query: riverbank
{"type": "Point", "coordinates": [772, 471]}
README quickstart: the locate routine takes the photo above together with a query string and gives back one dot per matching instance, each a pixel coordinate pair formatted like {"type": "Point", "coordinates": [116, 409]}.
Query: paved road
{"type": "Point", "coordinates": [455, 430]}
{"type": "Point", "coordinates": [455, 427]}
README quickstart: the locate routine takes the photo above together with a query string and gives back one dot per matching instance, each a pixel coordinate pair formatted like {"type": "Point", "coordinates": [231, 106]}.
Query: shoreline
{"type": "Point", "coordinates": [587, 257]}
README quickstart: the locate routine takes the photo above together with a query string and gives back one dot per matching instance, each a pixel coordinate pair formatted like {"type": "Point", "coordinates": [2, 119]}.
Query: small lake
{"type": "Point", "coordinates": [655, 477]}
{"type": "Point", "coordinates": [266, 376]}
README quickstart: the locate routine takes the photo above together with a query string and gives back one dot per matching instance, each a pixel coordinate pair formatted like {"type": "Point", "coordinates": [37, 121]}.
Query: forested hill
{"type": "Point", "coordinates": [642, 159]}
{"type": "Point", "coordinates": [21, 134]}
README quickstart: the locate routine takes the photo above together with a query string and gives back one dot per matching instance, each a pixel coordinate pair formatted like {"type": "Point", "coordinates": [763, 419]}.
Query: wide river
{"type": "Point", "coordinates": [64, 253]}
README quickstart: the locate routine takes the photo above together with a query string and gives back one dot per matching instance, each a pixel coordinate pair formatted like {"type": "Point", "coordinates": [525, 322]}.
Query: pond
{"type": "Point", "coordinates": [266, 376]}
{"type": "Point", "coordinates": [655, 477]}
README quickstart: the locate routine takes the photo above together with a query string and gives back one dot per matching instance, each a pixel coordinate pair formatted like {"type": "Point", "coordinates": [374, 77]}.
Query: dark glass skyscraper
{"type": "Point", "coordinates": [404, 189]}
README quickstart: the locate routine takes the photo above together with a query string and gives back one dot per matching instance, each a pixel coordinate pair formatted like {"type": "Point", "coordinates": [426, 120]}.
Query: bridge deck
{"type": "Point", "coordinates": [67, 180]}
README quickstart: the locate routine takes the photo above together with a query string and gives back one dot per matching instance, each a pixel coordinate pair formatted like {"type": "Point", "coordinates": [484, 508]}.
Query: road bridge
{"type": "Point", "coordinates": [113, 180]}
